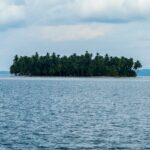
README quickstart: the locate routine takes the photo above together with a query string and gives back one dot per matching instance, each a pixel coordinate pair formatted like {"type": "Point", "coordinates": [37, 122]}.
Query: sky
{"type": "Point", "coordinates": [116, 27]}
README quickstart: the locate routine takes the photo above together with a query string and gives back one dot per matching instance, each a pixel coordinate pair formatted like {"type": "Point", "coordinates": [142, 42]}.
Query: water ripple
{"type": "Point", "coordinates": [74, 114]}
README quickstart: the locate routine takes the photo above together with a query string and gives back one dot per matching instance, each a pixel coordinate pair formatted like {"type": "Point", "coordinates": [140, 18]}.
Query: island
{"type": "Point", "coordinates": [85, 65]}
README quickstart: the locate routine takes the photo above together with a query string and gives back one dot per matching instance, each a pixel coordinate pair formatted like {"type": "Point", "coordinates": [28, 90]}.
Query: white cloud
{"type": "Point", "coordinates": [77, 11]}
{"type": "Point", "coordinates": [73, 32]}
{"type": "Point", "coordinates": [37, 12]}
{"type": "Point", "coordinates": [61, 33]}
{"type": "Point", "coordinates": [10, 13]}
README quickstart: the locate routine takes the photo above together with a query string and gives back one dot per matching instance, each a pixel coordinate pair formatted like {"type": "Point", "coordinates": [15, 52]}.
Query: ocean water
{"type": "Point", "coordinates": [74, 113]}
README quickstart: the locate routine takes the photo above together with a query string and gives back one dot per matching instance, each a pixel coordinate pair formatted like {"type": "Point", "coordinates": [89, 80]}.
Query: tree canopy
{"type": "Point", "coordinates": [74, 65]}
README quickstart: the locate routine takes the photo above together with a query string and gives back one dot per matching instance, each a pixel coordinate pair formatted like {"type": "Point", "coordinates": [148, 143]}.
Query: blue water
{"type": "Point", "coordinates": [74, 114]}
{"type": "Point", "coordinates": [5, 74]}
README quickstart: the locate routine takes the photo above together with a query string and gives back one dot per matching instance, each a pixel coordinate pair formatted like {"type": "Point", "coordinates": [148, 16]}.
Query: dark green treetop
{"type": "Point", "coordinates": [74, 65]}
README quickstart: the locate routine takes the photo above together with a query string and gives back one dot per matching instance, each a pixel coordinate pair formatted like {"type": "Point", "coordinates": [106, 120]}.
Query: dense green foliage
{"type": "Point", "coordinates": [74, 65]}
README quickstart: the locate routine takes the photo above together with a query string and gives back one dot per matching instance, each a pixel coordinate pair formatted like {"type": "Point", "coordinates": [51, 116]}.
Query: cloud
{"type": "Point", "coordinates": [61, 33]}
{"type": "Point", "coordinates": [73, 32]}
{"type": "Point", "coordinates": [80, 11]}
{"type": "Point", "coordinates": [56, 12]}
{"type": "Point", "coordinates": [11, 14]}
{"type": "Point", "coordinates": [130, 40]}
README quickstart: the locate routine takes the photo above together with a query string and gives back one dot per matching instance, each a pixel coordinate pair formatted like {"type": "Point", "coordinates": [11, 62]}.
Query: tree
{"type": "Point", "coordinates": [74, 65]}
{"type": "Point", "coordinates": [137, 65]}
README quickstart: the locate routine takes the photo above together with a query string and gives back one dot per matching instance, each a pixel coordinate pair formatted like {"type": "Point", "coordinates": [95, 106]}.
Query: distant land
{"type": "Point", "coordinates": [5, 74]}
{"type": "Point", "coordinates": [84, 65]}
{"type": "Point", "coordinates": [142, 72]}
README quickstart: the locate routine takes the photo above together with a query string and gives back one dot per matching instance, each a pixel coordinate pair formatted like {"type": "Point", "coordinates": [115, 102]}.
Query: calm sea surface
{"type": "Point", "coordinates": [74, 114]}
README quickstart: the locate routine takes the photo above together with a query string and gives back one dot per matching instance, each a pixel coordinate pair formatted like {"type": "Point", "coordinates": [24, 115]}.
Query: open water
{"type": "Point", "coordinates": [74, 113]}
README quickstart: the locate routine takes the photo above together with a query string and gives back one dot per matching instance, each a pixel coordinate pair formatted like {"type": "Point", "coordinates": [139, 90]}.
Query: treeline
{"type": "Point", "coordinates": [74, 65]}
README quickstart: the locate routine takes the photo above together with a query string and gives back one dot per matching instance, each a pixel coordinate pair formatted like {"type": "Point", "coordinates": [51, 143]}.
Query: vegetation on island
{"type": "Point", "coordinates": [75, 66]}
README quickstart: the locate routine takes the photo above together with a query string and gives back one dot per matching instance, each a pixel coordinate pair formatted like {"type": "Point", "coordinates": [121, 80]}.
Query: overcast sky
{"type": "Point", "coordinates": [116, 27]}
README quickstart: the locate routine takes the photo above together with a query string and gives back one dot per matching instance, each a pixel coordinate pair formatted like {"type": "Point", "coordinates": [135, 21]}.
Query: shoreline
{"type": "Point", "coordinates": [104, 78]}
